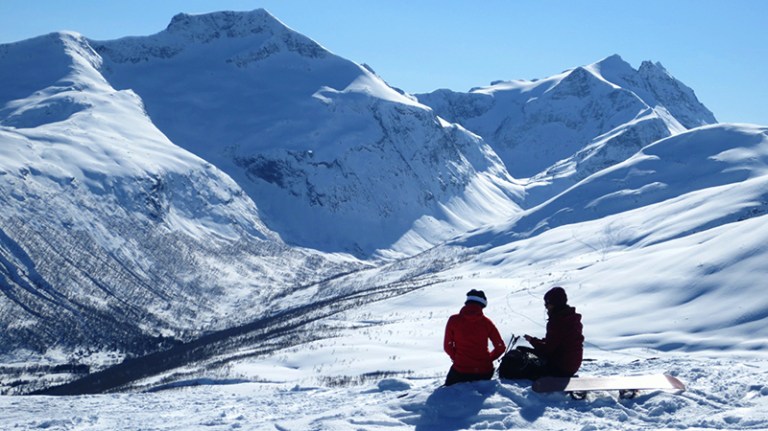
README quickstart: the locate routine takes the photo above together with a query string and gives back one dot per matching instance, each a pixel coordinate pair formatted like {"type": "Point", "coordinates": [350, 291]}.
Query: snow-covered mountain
{"type": "Point", "coordinates": [115, 238]}
{"type": "Point", "coordinates": [558, 130]}
{"type": "Point", "coordinates": [111, 236]}
{"type": "Point", "coordinates": [334, 158]}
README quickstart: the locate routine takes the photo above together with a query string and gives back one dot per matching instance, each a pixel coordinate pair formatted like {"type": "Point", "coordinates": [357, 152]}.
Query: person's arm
{"type": "Point", "coordinates": [551, 341]}
{"type": "Point", "coordinates": [533, 341]}
{"type": "Point", "coordinates": [498, 343]}
{"type": "Point", "coordinates": [449, 344]}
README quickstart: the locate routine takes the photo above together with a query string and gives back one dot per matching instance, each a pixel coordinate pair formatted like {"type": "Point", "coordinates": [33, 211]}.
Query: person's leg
{"type": "Point", "coordinates": [549, 370]}
{"type": "Point", "coordinates": [486, 376]}
{"type": "Point", "coordinates": [453, 377]}
{"type": "Point", "coordinates": [458, 377]}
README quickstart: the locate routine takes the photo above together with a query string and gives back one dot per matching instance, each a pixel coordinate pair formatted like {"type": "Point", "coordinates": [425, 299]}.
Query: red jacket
{"type": "Point", "coordinates": [466, 341]}
{"type": "Point", "coordinates": [563, 346]}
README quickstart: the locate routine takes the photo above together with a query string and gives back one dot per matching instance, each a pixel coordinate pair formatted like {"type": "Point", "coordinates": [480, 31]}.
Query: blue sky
{"type": "Point", "coordinates": [718, 48]}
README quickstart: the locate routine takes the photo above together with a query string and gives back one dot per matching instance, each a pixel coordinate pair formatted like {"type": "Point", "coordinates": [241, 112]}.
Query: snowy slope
{"type": "Point", "coordinates": [668, 285]}
{"type": "Point", "coordinates": [335, 159]}
{"type": "Point", "coordinates": [672, 286]}
{"type": "Point", "coordinates": [626, 242]}
{"type": "Point", "coordinates": [111, 236]}
{"type": "Point", "coordinates": [727, 162]}
{"type": "Point", "coordinates": [563, 128]}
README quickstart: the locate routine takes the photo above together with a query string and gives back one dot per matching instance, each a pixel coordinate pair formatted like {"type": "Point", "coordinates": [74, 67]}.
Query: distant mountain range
{"type": "Point", "coordinates": [159, 188]}
{"type": "Point", "coordinates": [559, 130]}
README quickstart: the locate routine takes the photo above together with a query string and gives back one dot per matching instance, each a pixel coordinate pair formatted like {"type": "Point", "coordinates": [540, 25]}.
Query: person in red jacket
{"type": "Point", "coordinates": [466, 342]}
{"type": "Point", "coordinates": [562, 349]}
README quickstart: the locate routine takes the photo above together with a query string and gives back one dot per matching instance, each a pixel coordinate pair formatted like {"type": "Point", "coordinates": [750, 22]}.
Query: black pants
{"type": "Point", "coordinates": [459, 377]}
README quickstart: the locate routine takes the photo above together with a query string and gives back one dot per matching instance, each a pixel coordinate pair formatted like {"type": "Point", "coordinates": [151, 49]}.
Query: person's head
{"type": "Point", "coordinates": [476, 297]}
{"type": "Point", "coordinates": [555, 298]}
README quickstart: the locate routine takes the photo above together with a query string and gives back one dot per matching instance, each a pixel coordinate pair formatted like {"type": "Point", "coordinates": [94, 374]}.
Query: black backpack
{"type": "Point", "coordinates": [520, 363]}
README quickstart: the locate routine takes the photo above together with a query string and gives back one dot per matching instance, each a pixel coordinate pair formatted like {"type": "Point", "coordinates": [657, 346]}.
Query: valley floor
{"type": "Point", "coordinates": [722, 393]}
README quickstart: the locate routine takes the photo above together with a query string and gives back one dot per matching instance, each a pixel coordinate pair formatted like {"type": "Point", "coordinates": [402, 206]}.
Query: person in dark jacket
{"type": "Point", "coordinates": [466, 342]}
{"type": "Point", "coordinates": [562, 349]}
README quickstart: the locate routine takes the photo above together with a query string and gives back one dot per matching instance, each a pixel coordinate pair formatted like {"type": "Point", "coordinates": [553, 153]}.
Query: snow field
{"type": "Point", "coordinates": [722, 394]}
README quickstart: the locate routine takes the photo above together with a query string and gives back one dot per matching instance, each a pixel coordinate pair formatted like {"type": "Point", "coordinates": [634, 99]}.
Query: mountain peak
{"type": "Point", "coordinates": [255, 35]}
{"type": "Point", "coordinates": [613, 64]}
{"type": "Point", "coordinates": [227, 24]}
{"type": "Point", "coordinates": [679, 98]}
{"type": "Point", "coordinates": [580, 82]}
{"type": "Point", "coordinates": [61, 61]}
{"type": "Point", "coordinates": [649, 68]}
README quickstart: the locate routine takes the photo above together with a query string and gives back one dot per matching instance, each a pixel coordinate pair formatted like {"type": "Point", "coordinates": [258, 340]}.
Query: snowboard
{"type": "Point", "coordinates": [627, 386]}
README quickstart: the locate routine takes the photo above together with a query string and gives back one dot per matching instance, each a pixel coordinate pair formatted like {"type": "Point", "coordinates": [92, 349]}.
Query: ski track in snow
{"type": "Point", "coordinates": [722, 393]}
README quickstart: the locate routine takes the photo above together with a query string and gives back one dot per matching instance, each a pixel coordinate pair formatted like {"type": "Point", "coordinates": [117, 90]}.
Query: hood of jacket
{"type": "Point", "coordinates": [567, 313]}
{"type": "Point", "coordinates": [472, 311]}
